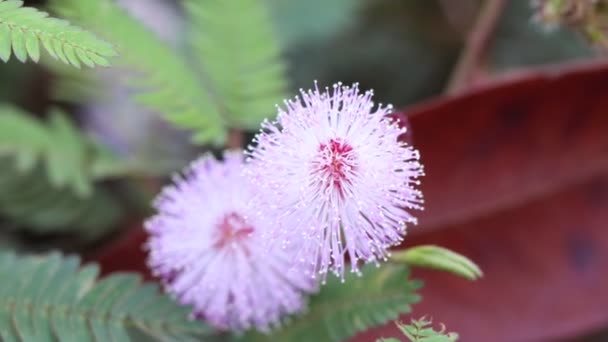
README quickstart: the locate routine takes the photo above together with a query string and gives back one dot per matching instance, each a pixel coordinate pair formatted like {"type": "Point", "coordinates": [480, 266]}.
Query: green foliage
{"type": "Point", "coordinates": [60, 196]}
{"type": "Point", "coordinates": [166, 82]}
{"type": "Point", "coordinates": [422, 331]}
{"type": "Point", "coordinates": [234, 80]}
{"type": "Point", "coordinates": [438, 258]}
{"type": "Point", "coordinates": [24, 28]}
{"type": "Point", "coordinates": [71, 160]}
{"type": "Point", "coordinates": [341, 310]}
{"type": "Point", "coordinates": [50, 299]}
{"type": "Point", "coordinates": [239, 54]}
{"type": "Point", "coordinates": [73, 85]}
{"type": "Point", "coordinates": [29, 201]}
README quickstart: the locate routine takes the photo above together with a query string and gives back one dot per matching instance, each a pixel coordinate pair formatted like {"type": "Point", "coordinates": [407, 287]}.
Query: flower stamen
{"type": "Point", "coordinates": [334, 165]}
{"type": "Point", "coordinates": [232, 230]}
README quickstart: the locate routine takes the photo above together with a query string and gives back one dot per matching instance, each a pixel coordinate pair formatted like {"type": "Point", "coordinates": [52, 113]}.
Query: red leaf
{"type": "Point", "coordinates": [517, 180]}
{"type": "Point", "coordinates": [497, 147]}
{"type": "Point", "coordinates": [544, 269]}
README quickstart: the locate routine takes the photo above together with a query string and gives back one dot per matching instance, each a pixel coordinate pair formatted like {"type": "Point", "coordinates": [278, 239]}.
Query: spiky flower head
{"type": "Point", "coordinates": [205, 246]}
{"type": "Point", "coordinates": [338, 180]}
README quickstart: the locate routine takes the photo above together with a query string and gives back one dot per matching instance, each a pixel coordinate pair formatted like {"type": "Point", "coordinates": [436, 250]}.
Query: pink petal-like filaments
{"type": "Point", "coordinates": [205, 246]}
{"type": "Point", "coordinates": [337, 179]}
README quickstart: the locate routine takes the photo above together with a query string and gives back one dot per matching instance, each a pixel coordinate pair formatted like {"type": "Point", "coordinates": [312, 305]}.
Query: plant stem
{"type": "Point", "coordinates": [235, 140]}
{"type": "Point", "coordinates": [475, 46]}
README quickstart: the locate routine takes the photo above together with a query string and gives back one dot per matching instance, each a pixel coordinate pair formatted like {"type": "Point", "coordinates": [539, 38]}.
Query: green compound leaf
{"type": "Point", "coordinates": [234, 80]}
{"type": "Point", "coordinates": [24, 29]}
{"type": "Point", "coordinates": [48, 173]}
{"type": "Point", "coordinates": [50, 298]}
{"type": "Point", "coordinates": [341, 310]}
{"type": "Point", "coordinates": [72, 161]}
{"type": "Point", "coordinates": [239, 54]}
{"type": "Point", "coordinates": [422, 331]}
{"type": "Point", "coordinates": [164, 81]}
{"type": "Point", "coordinates": [30, 202]}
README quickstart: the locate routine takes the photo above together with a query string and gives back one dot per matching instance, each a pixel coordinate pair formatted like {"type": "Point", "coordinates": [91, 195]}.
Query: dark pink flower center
{"type": "Point", "coordinates": [335, 164]}
{"type": "Point", "coordinates": [232, 228]}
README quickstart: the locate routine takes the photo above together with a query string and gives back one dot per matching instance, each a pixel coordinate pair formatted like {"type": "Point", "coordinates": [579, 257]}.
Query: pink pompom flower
{"type": "Point", "coordinates": [205, 246]}
{"type": "Point", "coordinates": [337, 179]}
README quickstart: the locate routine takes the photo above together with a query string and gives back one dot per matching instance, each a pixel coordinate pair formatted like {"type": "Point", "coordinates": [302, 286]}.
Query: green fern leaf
{"type": "Point", "coordinates": [165, 81]}
{"type": "Point", "coordinates": [30, 202]}
{"type": "Point", "coordinates": [23, 29]}
{"type": "Point", "coordinates": [341, 310]}
{"type": "Point", "coordinates": [50, 299]}
{"type": "Point", "coordinates": [422, 331]}
{"type": "Point", "coordinates": [240, 57]}
{"type": "Point", "coordinates": [72, 160]}
{"type": "Point", "coordinates": [48, 173]}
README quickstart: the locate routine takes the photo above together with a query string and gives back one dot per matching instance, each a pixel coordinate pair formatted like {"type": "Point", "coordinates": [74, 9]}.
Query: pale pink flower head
{"type": "Point", "coordinates": [338, 180]}
{"type": "Point", "coordinates": [205, 246]}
